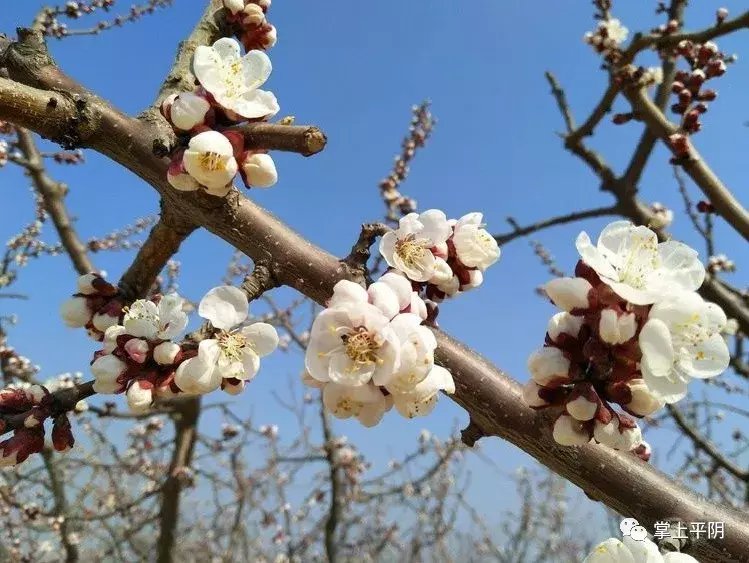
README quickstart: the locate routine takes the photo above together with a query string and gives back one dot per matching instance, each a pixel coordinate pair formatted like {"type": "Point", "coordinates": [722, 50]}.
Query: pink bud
{"type": "Point", "coordinates": [137, 349]}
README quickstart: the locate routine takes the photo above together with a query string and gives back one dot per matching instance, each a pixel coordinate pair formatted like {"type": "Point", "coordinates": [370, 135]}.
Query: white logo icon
{"type": "Point", "coordinates": [631, 527]}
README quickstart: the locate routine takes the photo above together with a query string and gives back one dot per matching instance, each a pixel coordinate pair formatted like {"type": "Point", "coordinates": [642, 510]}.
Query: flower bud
{"type": "Point", "coordinates": [643, 451]}
{"type": "Point", "coordinates": [233, 386]}
{"type": "Point", "coordinates": [616, 329]}
{"type": "Point", "coordinates": [644, 402]}
{"type": "Point", "coordinates": [264, 4]}
{"type": "Point", "coordinates": [104, 320]}
{"type": "Point", "coordinates": [86, 283]}
{"type": "Point", "coordinates": [189, 110]}
{"type": "Point", "coordinates": [475, 279]}
{"type": "Point", "coordinates": [564, 323]}
{"type": "Point", "coordinates": [106, 370]}
{"type": "Point", "coordinates": [548, 367]}
{"type": "Point", "coordinates": [252, 15]}
{"type": "Point", "coordinates": [75, 312]}
{"type": "Point", "coordinates": [166, 353]}
{"type": "Point", "coordinates": [610, 435]}
{"type": "Point", "coordinates": [259, 169]}
{"type": "Point", "coordinates": [110, 338]}
{"type": "Point", "coordinates": [721, 14]}
{"type": "Point", "coordinates": [270, 38]}
{"type": "Point", "coordinates": [234, 6]}
{"type": "Point", "coordinates": [530, 395]}
{"type": "Point", "coordinates": [140, 396]}
{"type": "Point", "coordinates": [137, 349]}
{"type": "Point", "coordinates": [178, 177]}
{"type": "Point", "coordinates": [569, 293]}
{"type": "Point", "coordinates": [570, 432]}
{"type": "Point", "coordinates": [384, 298]}
{"type": "Point", "coordinates": [582, 408]}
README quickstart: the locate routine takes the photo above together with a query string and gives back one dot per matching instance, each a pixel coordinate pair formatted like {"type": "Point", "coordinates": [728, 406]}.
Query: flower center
{"type": "Point", "coordinates": [348, 405]}
{"type": "Point", "coordinates": [641, 260]}
{"type": "Point", "coordinates": [232, 344]}
{"type": "Point", "coordinates": [361, 346]}
{"type": "Point", "coordinates": [411, 250]}
{"type": "Point", "coordinates": [212, 161]}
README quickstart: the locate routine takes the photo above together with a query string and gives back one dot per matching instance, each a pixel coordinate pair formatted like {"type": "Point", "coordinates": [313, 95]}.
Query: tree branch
{"type": "Point", "coordinates": [53, 194]}
{"type": "Point", "coordinates": [519, 231]}
{"type": "Point", "coordinates": [718, 194]}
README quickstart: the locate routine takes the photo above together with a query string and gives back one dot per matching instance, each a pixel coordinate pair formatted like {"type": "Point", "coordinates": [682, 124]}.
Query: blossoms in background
{"type": "Point", "coordinates": [607, 38]}
{"type": "Point", "coordinates": [632, 333]}
{"type": "Point", "coordinates": [369, 351]}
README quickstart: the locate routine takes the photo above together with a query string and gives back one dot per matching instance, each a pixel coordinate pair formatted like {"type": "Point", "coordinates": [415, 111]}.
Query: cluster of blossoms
{"type": "Point", "coordinates": [32, 406]}
{"type": "Point", "coordinates": [632, 332]}
{"type": "Point", "coordinates": [369, 351]}
{"type": "Point", "coordinates": [440, 257]}
{"type": "Point", "coordinates": [662, 215]}
{"type": "Point", "coordinates": [140, 356]}
{"type": "Point", "coordinates": [213, 149]}
{"type": "Point", "coordinates": [96, 307]}
{"type": "Point", "coordinates": [720, 263]}
{"type": "Point", "coordinates": [607, 38]}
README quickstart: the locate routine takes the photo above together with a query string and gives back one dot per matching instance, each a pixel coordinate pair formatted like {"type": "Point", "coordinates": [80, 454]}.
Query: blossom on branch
{"type": "Point", "coordinates": [633, 332]}
{"type": "Point", "coordinates": [234, 80]}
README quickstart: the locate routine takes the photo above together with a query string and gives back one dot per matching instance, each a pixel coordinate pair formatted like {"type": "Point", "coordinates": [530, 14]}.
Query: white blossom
{"type": "Point", "coordinates": [233, 353]}
{"type": "Point", "coordinates": [474, 246]}
{"type": "Point", "coordinates": [233, 80]}
{"type": "Point", "coordinates": [408, 248]}
{"type": "Point", "coordinates": [421, 400]}
{"type": "Point", "coordinates": [365, 402]}
{"type": "Point", "coordinates": [417, 346]}
{"type": "Point", "coordinates": [615, 30]}
{"type": "Point", "coordinates": [682, 340]}
{"type": "Point", "coordinates": [259, 170]}
{"type": "Point", "coordinates": [209, 159]}
{"type": "Point", "coordinates": [196, 377]}
{"type": "Point", "coordinates": [351, 344]}
{"type": "Point", "coordinates": [630, 260]}
{"type": "Point", "coordinates": [146, 319]}
{"type": "Point", "coordinates": [630, 550]}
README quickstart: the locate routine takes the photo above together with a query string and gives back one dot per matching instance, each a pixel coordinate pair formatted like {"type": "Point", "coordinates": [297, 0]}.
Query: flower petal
{"type": "Point", "coordinates": [262, 337]}
{"type": "Point", "coordinates": [224, 306]}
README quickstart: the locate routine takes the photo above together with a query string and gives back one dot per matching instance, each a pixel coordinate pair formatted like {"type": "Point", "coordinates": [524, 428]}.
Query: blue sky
{"type": "Point", "coordinates": [355, 69]}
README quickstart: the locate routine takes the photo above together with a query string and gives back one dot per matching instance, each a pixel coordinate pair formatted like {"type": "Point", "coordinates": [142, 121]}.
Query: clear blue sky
{"type": "Point", "coordinates": [354, 69]}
